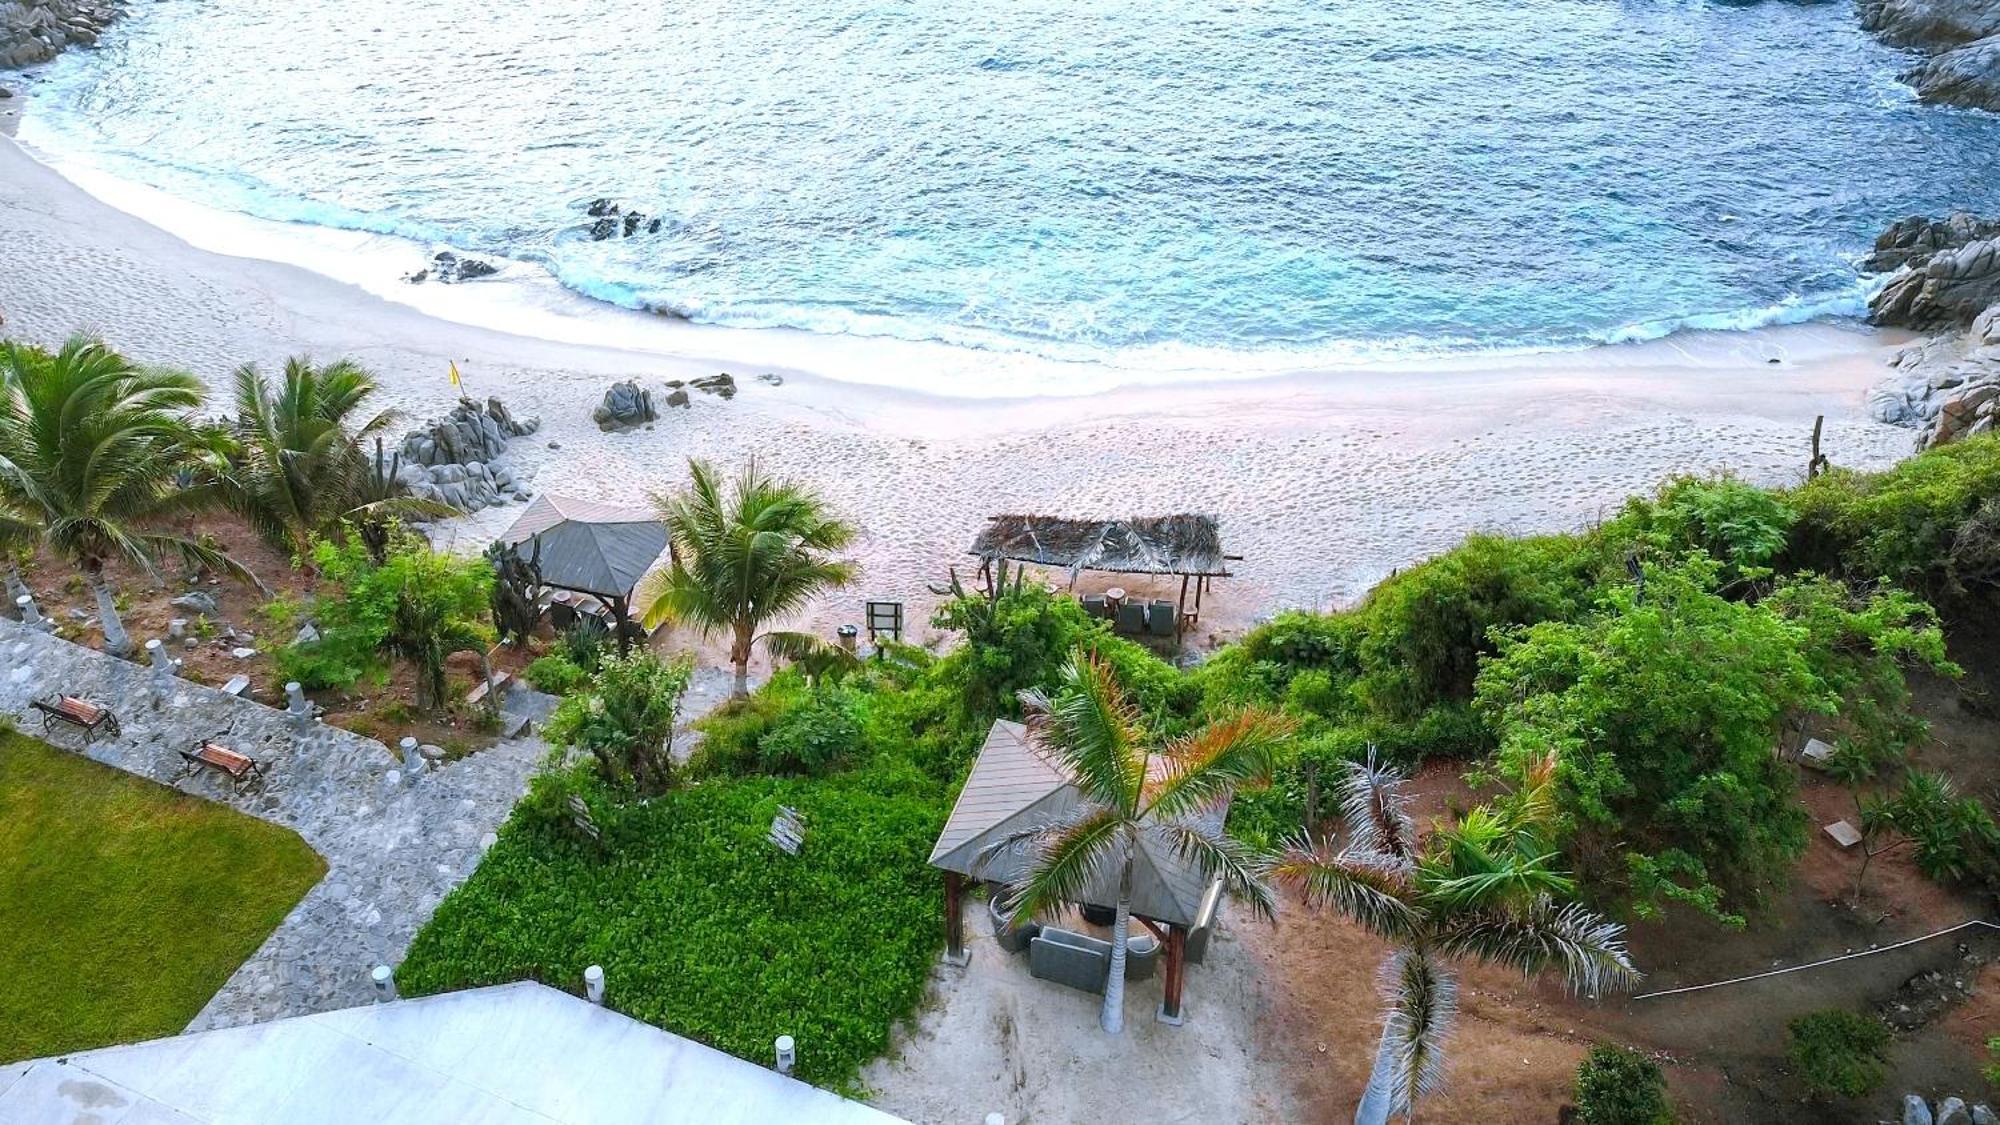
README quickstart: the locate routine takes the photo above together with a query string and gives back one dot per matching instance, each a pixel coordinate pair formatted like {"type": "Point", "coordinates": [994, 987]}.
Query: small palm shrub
{"type": "Point", "coordinates": [1839, 1052]}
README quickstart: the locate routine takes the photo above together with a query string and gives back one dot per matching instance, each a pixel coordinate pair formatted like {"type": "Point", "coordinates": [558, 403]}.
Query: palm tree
{"type": "Point", "coordinates": [743, 556]}
{"type": "Point", "coordinates": [90, 452]}
{"type": "Point", "coordinates": [300, 466]}
{"type": "Point", "coordinates": [1092, 732]}
{"type": "Point", "coordinates": [1481, 890]}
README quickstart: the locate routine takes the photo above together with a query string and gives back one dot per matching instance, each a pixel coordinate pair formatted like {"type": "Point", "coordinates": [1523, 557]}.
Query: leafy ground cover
{"type": "Point", "coordinates": [703, 926]}
{"type": "Point", "coordinates": [124, 905]}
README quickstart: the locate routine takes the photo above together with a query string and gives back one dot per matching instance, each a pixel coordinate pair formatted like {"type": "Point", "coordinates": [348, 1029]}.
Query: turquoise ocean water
{"type": "Point", "coordinates": [1308, 180]}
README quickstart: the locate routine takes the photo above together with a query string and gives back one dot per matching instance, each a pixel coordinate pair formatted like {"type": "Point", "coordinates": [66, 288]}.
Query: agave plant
{"type": "Point", "coordinates": [1482, 890]}
{"type": "Point", "coordinates": [91, 454]}
{"type": "Point", "coordinates": [1093, 733]}
{"type": "Point", "coordinates": [743, 556]}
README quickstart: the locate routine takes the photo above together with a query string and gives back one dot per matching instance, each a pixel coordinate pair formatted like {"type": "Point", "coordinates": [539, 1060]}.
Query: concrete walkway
{"type": "Point", "coordinates": [394, 845]}
{"type": "Point", "coordinates": [516, 1054]}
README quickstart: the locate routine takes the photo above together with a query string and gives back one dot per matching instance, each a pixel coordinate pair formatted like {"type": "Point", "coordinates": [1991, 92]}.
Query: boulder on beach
{"type": "Point", "coordinates": [450, 268]}
{"type": "Point", "coordinates": [625, 406]}
{"type": "Point", "coordinates": [448, 460]}
{"type": "Point", "coordinates": [722, 386]}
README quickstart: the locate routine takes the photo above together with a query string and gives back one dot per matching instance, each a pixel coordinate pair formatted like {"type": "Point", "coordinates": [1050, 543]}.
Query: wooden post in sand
{"type": "Point", "coordinates": [1818, 464]}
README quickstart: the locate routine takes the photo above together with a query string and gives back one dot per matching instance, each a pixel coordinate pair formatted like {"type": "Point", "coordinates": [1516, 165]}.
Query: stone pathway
{"type": "Point", "coordinates": [394, 845]}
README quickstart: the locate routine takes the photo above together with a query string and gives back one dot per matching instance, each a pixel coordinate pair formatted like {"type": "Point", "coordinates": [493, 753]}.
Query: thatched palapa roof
{"type": "Point", "coordinates": [1182, 544]}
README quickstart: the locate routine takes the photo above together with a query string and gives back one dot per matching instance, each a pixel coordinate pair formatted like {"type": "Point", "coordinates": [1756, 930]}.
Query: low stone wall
{"type": "Point", "coordinates": [34, 31]}
{"type": "Point", "coordinates": [394, 845]}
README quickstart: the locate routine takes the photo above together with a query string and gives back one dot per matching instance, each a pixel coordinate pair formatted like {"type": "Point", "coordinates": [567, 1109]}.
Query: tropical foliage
{"type": "Point", "coordinates": [1132, 790]}
{"type": "Point", "coordinates": [1838, 1052]}
{"type": "Point", "coordinates": [93, 453]}
{"type": "Point", "coordinates": [416, 605]}
{"type": "Point", "coordinates": [625, 720]}
{"type": "Point", "coordinates": [1620, 1086]}
{"type": "Point", "coordinates": [1484, 889]}
{"type": "Point", "coordinates": [745, 554]}
{"type": "Point", "coordinates": [300, 467]}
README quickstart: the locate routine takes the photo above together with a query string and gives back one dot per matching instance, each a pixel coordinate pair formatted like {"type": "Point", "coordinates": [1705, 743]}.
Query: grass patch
{"type": "Point", "coordinates": [703, 926]}
{"type": "Point", "coordinates": [124, 905]}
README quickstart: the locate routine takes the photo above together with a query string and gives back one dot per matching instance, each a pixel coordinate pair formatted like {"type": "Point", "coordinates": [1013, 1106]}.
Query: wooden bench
{"type": "Point", "coordinates": [80, 713]}
{"type": "Point", "coordinates": [215, 756]}
{"type": "Point", "coordinates": [497, 687]}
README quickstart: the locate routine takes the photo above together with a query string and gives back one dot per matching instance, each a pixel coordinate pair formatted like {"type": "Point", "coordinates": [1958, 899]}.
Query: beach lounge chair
{"type": "Point", "coordinates": [1160, 618]}
{"type": "Point", "coordinates": [82, 714]}
{"type": "Point", "coordinates": [1131, 618]}
{"type": "Point", "coordinates": [1010, 936]}
{"type": "Point", "coordinates": [237, 767]}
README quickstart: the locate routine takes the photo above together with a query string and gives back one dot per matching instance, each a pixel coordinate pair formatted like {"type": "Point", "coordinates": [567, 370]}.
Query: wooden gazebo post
{"type": "Point", "coordinates": [1170, 998]}
{"type": "Point", "coordinates": [954, 919]}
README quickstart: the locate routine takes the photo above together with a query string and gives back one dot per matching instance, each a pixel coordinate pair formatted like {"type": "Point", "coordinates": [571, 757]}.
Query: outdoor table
{"type": "Point", "coordinates": [1114, 597]}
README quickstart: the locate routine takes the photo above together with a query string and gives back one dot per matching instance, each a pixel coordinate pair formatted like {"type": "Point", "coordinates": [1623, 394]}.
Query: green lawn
{"type": "Point", "coordinates": [124, 905]}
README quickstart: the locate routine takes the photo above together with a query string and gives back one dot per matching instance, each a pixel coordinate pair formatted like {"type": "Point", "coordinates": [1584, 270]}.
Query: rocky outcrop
{"type": "Point", "coordinates": [1966, 76]}
{"type": "Point", "coordinates": [449, 460]}
{"type": "Point", "coordinates": [448, 268]}
{"type": "Point", "coordinates": [1945, 272]}
{"type": "Point", "coordinates": [1931, 25]}
{"type": "Point", "coordinates": [609, 220]}
{"type": "Point", "coordinates": [35, 31]}
{"type": "Point", "coordinates": [625, 405]}
{"type": "Point", "coordinates": [1962, 35]}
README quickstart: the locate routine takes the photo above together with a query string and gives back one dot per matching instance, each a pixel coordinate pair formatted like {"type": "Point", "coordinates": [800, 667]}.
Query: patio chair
{"type": "Point", "coordinates": [1095, 605]}
{"type": "Point", "coordinates": [80, 713]}
{"type": "Point", "coordinates": [1204, 924]}
{"type": "Point", "coordinates": [1160, 618]}
{"type": "Point", "coordinates": [1131, 618]}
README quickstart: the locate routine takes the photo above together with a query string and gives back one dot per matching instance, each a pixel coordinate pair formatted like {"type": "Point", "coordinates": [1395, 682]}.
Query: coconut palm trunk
{"type": "Point", "coordinates": [739, 658]}
{"type": "Point", "coordinates": [116, 641]}
{"type": "Point", "coordinates": [1112, 1019]}
{"type": "Point", "coordinates": [1381, 1092]}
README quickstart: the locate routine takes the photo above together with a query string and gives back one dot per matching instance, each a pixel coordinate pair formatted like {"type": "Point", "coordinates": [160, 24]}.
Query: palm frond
{"type": "Point", "coordinates": [1220, 856]}
{"type": "Point", "coordinates": [1372, 888]}
{"type": "Point", "coordinates": [1422, 998]}
{"type": "Point", "coordinates": [1210, 764]}
{"type": "Point", "coordinates": [1376, 808]}
{"type": "Point", "coordinates": [1069, 856]}
{"type": "Point", "coordinates": [1090, 731]}
{"type": "Point", "coordinates": [1586, 948]}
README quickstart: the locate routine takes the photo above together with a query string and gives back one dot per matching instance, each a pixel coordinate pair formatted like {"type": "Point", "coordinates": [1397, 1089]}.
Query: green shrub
{"type": "Point", "coordinates": [585, 643]}
{"type": "Point", "coordinates": [1901, 524]}
{"type": "Point", "coordinates": [812, 739]}
{"type": "Point", "coordinates": [703, 927]}
{"type": "Point", "coordinates": [555, 674]}
{"type": "Point", "coordinates": [1839, 1052]}
{"type": "Point", "coordinates": [733, 733]}
{"type": "Point", "coordinates": [1737, 524]}
{"type": "Point", "coordinates": [626, 718]}
{"type": "Point", "coordinates": [1620, 1086]}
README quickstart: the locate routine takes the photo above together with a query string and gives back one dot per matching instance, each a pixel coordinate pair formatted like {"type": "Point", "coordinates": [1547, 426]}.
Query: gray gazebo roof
{"type": "Point", "coordinates": [1012, 788]}
{"type": "Point", "coordinates": [589, 546]}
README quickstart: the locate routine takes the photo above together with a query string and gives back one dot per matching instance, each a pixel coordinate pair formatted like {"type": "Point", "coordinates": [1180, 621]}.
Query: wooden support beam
{"type": "Point", "coordinates": [954, 917]}
{"type": "Point", "coordinates": [1170, 1001]}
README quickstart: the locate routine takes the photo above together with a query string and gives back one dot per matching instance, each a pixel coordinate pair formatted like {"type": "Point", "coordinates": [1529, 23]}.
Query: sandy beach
{"type": "Point", "coordinates": [1325, 481]}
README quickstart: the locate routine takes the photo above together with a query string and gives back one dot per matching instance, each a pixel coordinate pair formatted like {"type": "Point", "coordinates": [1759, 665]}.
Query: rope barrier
{"type": "Point", "coordinates": [1818, 964]}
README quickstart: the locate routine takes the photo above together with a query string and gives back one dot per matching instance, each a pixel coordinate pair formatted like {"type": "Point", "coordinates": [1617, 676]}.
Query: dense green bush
{"type": "Point", "coordinates": [1901, 524]}
{"type": "Point", "coordinates": [1839, 1052]}
{"type": "Point", "coordinates": [703, 927]}
{"type": "Point", "coordinates": [555, 674]}
{"type": "Point", "coordinates": [813, 739]}
{"type": "Point", "coordinates": [1737, 524]}
{"type": "Point", "coordinates": [1620, 1086]}
{"type": "Point", "coordinates": [733, 733]}
{"type": "Point", "coordinates": [625, 720]}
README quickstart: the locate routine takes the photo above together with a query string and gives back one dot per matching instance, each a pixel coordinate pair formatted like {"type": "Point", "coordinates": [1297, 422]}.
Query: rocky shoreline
{"type": "Point", "coordinates": [1944, 277]}
{"type": "Point", "coordinates": [35, 31]}
{"type": "Point", "coordinates": [1962, 38]}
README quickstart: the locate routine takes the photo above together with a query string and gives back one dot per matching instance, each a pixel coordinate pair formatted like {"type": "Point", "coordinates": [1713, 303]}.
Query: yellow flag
{"type": "Point", "coordinates": [454, 375]}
